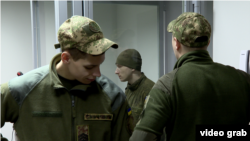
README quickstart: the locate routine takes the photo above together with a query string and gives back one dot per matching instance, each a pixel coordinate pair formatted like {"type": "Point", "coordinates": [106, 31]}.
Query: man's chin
{"type": "Point", "coordinates": [122, 80]}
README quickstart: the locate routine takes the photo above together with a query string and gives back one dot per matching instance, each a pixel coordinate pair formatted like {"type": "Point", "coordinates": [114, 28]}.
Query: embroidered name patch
{"type": "Point", "coordinates": [89, 116]}
{"type": "Point", "coordinates": [82, 132]}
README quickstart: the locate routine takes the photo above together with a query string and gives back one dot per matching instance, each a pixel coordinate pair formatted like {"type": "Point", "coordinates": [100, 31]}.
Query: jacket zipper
{"type": "Point", "coordinates": [73, 117]}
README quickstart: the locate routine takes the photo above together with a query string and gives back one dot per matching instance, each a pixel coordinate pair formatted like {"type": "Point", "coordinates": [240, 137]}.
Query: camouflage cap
{"type": "Point", "coordinates": [191, 29]}
{"type": "Point", "coordinates": [84, 34]}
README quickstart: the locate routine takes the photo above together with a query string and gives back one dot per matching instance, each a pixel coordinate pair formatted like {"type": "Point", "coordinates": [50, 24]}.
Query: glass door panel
{"type": "Point", "coordinates": [132, 25]}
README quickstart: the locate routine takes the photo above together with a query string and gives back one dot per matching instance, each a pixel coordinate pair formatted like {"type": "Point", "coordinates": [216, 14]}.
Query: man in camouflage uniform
{"type": "Point", "coordinates": [197, 92]}
{"type": "Point", "coordinates": [129, 70]}
{"type": "Point", "coordinates": [68, 100]}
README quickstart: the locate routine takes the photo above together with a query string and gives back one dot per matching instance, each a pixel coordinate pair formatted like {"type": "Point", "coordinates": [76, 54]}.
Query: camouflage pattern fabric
{"type": "Point", "coordinates": [84, 34]}
{"type": "Point", "coordinates": [188, 27]}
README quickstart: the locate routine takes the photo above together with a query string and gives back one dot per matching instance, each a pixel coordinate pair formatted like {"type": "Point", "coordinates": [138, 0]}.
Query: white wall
{"type": "Point", "coordinates": [231, 31]}
{"type": "Point", "coordinates": [16, 45]}
{"type": "Point", "coordinates": [130, 26]}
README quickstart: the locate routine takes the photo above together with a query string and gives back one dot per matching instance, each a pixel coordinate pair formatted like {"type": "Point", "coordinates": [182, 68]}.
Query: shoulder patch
{"type": "Point", "coordinates": [21, 86]}
{"type": "Point", "coordinates": [114, 92]}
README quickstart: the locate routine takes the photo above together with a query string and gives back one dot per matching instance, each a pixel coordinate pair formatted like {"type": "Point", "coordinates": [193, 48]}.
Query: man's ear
{"type": "Point", "coordinates": [208, 43]}
{"type": "Point", "coordinates": [132, 70]}
{"type": "Point", "coordinates": [65, 57]}
{"type": "Point", "coordinates": [177, 44]}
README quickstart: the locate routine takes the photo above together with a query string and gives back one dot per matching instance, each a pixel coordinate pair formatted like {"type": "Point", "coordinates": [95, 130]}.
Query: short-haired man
{"type": "Point", "coordinates": [129, 70]}
{"type": "Point", "coordinates": [68, 100]}
{"type": "Point", "coordinates": [197, 92]}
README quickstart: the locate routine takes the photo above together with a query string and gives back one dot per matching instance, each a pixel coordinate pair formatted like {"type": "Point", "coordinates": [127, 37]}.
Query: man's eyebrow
{"type": "Point", "coordinates": [93, 65]}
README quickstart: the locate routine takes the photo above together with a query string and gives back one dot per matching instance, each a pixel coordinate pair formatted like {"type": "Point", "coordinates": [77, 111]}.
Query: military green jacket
{"type": "Point", "coordinates": [42, 109]}
{"type": "Point", "coordinates": [197, 92]}
{"type": "Point", "coordinates": [135, 95]}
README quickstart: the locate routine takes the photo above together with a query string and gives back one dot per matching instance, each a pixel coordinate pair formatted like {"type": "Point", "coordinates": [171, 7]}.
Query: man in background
{"type": "Point", "coordinates": [197, 92]}
{"type": "Point", "coordinates": [128, 69]}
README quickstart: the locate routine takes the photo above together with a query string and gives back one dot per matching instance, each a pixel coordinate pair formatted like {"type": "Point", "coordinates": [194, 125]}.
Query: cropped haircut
{"type": "Point", "coordinates": [76, 54]}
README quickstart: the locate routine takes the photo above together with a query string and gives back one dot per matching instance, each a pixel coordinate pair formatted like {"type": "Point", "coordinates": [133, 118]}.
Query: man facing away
{"type": "Point", "coordinates": [68, 100]}
{"type": "Point", "coordinates": [128, 69]}
{"type": "Point", "coordinates": [197, 92]}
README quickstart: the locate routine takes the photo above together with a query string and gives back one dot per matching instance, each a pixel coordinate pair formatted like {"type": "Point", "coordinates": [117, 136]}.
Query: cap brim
{"type": "Point", "coordinates": [171, 25]}
{"type": "Point", "coordinates": [99, 46]}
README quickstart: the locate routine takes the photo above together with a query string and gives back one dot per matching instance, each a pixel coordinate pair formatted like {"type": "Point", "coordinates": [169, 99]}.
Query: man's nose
{"type": "Point", "coordinates": [97, 72]}
{"type": "Point", "coordinates": [116, 71]}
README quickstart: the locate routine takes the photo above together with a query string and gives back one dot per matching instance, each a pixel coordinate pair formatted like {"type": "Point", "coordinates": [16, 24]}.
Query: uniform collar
{"type": "Point", "coordinates": [54, 79]}
{"type": "Point", "coordinates": [137, 83]}
{"type": "Point", "coordinates": [198, 56]}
